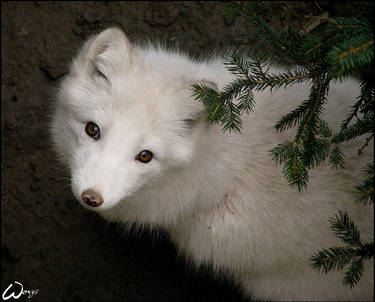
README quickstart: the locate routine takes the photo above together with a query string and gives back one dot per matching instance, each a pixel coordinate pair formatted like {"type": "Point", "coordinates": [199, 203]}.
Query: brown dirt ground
{"type": "Point", "coordinates": [49, 242]}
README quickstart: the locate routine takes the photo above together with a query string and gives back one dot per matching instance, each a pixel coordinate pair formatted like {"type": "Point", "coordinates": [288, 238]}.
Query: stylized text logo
{"type": "Point", "coordinates": [16, 290]}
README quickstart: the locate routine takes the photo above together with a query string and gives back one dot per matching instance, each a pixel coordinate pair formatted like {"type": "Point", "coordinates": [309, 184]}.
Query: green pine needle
{"type": "Point", "coordinates": [294, 170]}
{"type": "Point", "coordinates": [354, 273]}
{"type": "Point", "coordinates": [335, 258]}
{"type": "Point", "coordinates": [336, 157]}
{"type": "Point", "coordinates": [345, 229]}
{"type": "Point", "coordinates": [365, 191]}
{"type": "Point", "coordinates": [352, 54]}
{"type": "Point", "coordinates": [280, 152]}
{"type": "Point", "coordinates": [358, 128]}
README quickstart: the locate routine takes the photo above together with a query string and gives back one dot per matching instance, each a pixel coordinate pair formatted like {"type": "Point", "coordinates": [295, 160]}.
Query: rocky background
{"type": "Point", "coordinates": [49, 242]}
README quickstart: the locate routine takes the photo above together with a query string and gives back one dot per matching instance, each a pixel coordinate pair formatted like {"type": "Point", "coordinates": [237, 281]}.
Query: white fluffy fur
{"type": "Point", "coordinates": [219, 195]}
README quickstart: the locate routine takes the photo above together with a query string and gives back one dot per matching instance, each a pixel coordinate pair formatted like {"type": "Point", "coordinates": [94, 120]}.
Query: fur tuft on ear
{"type": "Point", "coordinates": [104, 54]}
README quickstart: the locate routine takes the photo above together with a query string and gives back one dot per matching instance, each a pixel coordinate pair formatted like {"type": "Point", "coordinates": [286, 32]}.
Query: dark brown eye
{"type": "Point", "coordinates": [92, 130]}
{"type": "Point", "coordinates": [144, 156]}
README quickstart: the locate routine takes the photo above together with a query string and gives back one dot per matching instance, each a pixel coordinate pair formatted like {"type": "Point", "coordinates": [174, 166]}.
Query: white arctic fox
{"type": "Point", "coordinates": [131, 133]}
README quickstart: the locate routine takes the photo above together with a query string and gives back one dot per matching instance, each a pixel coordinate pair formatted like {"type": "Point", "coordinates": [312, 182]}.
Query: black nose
{"type": "Point", "coordinates": [92, 198]}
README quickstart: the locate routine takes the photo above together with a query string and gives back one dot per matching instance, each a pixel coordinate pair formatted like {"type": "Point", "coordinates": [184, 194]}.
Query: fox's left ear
{"type": "Point", "coordinates": [104, 54]}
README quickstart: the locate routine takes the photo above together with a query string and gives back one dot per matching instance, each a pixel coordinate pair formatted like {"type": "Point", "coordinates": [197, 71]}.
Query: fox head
{"type": "Point", "coordinates": [123, 123]}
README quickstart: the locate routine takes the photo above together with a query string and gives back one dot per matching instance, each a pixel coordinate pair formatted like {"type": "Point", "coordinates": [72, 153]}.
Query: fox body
{"type": "Point", "coordinates": [218, 195]}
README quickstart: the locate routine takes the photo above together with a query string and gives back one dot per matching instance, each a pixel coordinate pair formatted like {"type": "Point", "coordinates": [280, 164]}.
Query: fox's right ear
{"type": "Point", "coordinates": [104, 54]}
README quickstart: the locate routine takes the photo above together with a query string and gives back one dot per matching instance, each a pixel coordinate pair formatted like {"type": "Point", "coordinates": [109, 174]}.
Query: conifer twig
{"type": "Point", "coordinates": [360, 151]}
{"type": "Point", "coordinates": [353, 50]}
{"type": "Point", "coordinates": [353, 114]}
{"type": "Point", "coordinates": [214, 113]}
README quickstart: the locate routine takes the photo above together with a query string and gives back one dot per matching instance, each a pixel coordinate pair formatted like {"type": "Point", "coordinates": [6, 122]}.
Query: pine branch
{"type": "Point", "coordinates": [354, 273]}
{"type": "Point", "coordinates": [306, 151]}
{"type": "Point", "coordinates": [345, 48]}
{"type": "Point", "coordinates": [280, 152]}
{"type": "Point", "coordinates": [283, 79]}
{"type": "Point", "coordinates": [362, 45]}
{"type": "Point", "coordinates": [345, 229]}
{"type": "Point", "coordinates": [294, 170]}
{"type": "Point", "coordinates": [335, 258]}
{"type": "Point", "coordinates": [351, 54]}
{"type": "Point", "coordinates": [358, 128]}
{"type": "Point", "coordinates": [365, 191]}
{"type": "Point", "coordinates": [364, 104]}
{"type": "Point", "coordinates": [237, 64]}
{"type": "Point", "coordinates": [348, 26]}
{"type": "Point", "coordinates": [353, 113]}
{"type": "Point", "coordinates": [336, 157]}
{"type": "Point", "coordinates": [316, 150]}
{"type": "Point", "coordinates": [360, 150]}
{"type": "Point", "coordinates": [219, 106]}
{"type": "Point", "coordinates": [231, 119]}
{"type": "Point", "coordinates": [323, 129]}
{"type": "Point", "coordinates": [293, 118]}
{"type": "Point", "coordinates": [210, 98]}
{"type": "Point", "coordinates": [254, 71]}
{"type": "Point", "coordinates": [366, 97]}
{"type": "Point", "coordinates": [246, 102]}
{"type": "Point", "coordinates": [318, 97]}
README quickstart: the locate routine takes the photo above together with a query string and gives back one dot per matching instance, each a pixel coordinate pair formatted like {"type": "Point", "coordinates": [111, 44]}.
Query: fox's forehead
{"type": "Point", "coordinates": [153, 94]}
{"type": "Point", "coordinates": [125, 94]}
{"type": "Point", "coordinates": [145, 109]}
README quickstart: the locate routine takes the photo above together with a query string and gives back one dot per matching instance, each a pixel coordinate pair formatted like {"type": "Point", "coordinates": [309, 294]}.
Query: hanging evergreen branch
{"type": "Point", "coordinates": [332, 259]}
{"type": "Point", "coordinates": [308, 151]}
{"type": "Point", "coordinates": [365, 103]}
{"type": "Point", "coordinates": [293, 118]}
{"type": "Point", "coordinates": [294, 170]}
{"type": "Point", "coordinates": [336, 157]}
{"type": "Point", "coordinates": [323, 129]}
{"type": "Point", "coordinates": [351, 54]}
{"type": "Point", "coordinates": [359, 128]}
{"type": "Point", "coordinates": [210, 98]}
{"type": "Point", "coordinates": [345, 48]}
{"type": "Point", "coordinates": [365, 191]}
{"type": "Point", "coordinates": [354, 42]}
{"type": "Point", "coordinates": [219, 106]}
{"type": "Point", "coordinates": [354, 273]}
{"type": "Point", "coordinates": [252, 74]}
{"type": "Point", "coordinates": [280, 152]}
{"type": "Point", "coordinates": [353, 113]}
{"type": "Point", "coordinates": [354, 253]}
{"type": "Point", "coordinates": [345, 229]}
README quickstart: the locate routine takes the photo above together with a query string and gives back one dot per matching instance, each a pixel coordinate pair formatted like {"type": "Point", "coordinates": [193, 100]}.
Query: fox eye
{"type": "Point", "coordinates": [92, 130]}
{"type": "Point", "coordinates": [144, 156]}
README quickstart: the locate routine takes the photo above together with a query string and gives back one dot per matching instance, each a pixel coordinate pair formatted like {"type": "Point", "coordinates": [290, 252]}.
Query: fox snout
{"type": "Point", "coordinates": [92, 198]}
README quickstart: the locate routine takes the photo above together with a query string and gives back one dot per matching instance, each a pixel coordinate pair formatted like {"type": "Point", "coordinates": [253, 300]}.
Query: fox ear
{"type": "Point", "coordinates": [104, 53]}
